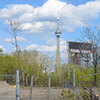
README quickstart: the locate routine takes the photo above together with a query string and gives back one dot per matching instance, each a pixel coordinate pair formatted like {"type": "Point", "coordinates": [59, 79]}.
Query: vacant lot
{"type": "Point", "coordinates": [7, 92]}
{"type": "Point", "coordinates": [40, 93]}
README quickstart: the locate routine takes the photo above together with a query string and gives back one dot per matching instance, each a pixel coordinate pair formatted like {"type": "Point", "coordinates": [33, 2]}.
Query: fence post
{"type": "Point", "coordinates": [74, 83]}
{"type": "Point", "coordinates": [17, 85]}
{"type": "Point", "coordinates": [31, 87]}
{"type": "Point", "coordinates": [49, 89]}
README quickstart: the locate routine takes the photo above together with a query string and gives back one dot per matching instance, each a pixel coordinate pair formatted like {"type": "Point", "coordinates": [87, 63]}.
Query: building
{"type": "Point", "coordinates": [80, 54]}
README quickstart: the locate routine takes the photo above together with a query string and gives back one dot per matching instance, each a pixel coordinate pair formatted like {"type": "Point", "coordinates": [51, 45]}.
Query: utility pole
{"type": "Point", "coordinates": [58, 33]}
{"type": "Point", "coordinates": [74, 83]}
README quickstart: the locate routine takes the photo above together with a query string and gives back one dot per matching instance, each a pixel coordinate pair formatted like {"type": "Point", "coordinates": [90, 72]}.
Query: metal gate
{"type": "Point", "coordinates": [9, 87]}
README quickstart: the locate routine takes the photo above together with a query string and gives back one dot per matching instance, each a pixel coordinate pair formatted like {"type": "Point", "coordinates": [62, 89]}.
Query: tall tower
{"type": "Point", "coordinates": [58, 33]}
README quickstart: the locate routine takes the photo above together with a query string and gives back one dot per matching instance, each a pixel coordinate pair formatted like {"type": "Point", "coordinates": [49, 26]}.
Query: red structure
{"type": "Point", "coordinates": [79, 52]}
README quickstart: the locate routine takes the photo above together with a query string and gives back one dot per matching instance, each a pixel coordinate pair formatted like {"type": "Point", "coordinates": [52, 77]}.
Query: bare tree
{"type": "Point", "coordinates": [14, 27]}
{"type": "Point", "coordinates": [92, 35]}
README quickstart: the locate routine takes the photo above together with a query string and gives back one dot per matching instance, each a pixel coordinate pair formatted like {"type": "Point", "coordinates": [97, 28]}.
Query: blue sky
{"type": "Point", "coordinates": [39, 17]}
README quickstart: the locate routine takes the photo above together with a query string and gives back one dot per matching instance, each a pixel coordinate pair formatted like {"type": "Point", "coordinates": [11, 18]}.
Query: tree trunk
{"type": "Point", "coordinates": [95, 61]}
{"type": "Point", "coordinates": [27, 79]}
{"type": "Point", "coordinates": [45, 77]}
{"type": "Point", "coordinates": [23, 80]}
{"type": "Point", "coordinates": [95, 77]}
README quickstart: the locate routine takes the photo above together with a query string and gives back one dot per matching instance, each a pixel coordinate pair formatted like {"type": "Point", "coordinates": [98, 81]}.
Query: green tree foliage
{"type": "Point", "coordinates": [54, 79]}
{"type": "Point", "coordinates": [66, 95]}
{"type": "Point", "coordinates": [1, 50]}
{"type": "Point", "coordinates": [34, 63]}
{"type": "Point", "coordinates": [7, 65]}
{"type": "Point", "coordinates": [92, 35]}
{"type": "Point", "coordinates": [80, 73]}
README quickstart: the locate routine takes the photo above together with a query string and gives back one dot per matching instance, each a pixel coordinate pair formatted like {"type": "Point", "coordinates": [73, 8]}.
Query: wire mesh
{"type": "Point", "coordinates": [40, 93]}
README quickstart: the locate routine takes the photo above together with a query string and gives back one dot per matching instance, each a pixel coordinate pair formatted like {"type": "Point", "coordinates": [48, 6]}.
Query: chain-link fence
{"type": "Point", "coordinates": [9, 87]}
{"type": "Point", "coordinates": [9, 90]}
{"type": "Point", "coordinates": [40, 93]}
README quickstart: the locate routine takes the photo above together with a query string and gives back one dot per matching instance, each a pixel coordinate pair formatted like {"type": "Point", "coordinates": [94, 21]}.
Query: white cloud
{"type": "Point", "coordinates": [43, 48]}
{"type": "Point", "coordinates": [49, 47]}
{"type": "Point", "coordinates": [42, 20]}
{"type": "Point", "coordinates": [15, 10]}
{"type": "Point", "coordinates": [19, 39]}
{"type": "Point", "coordinates": [38, 28]}
{"type": "Point", "coordinates": [32, 47]}
{"type": "Point", "coordinates": [50, 41]}
{"type": "Point", "coordinates": [53, 41]}
{"type": "Point", "coordinates": [2, 47]}
{"type": "Point", "coordinates": [62, 42]}
{"type": "Point", "coordinates": [7, 40]}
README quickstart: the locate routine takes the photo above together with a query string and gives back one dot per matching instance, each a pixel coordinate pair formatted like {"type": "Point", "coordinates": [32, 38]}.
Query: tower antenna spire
{"type": "Point", "coordinates": [57, 16]}
{"type": "Point", "coordinates": [58, 33]}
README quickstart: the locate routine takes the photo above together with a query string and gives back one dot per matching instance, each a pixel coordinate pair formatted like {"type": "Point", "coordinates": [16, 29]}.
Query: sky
{"type": "Point", "coordinates": [39, 22]}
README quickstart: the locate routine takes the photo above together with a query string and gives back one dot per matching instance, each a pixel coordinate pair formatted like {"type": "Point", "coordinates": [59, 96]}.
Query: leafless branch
{"type": "Point", "coordinates": [12, 43]}
{"type": "Point", "coordinates": [89, 75]}
{"type": "Point", "coordinates": [5, 29]}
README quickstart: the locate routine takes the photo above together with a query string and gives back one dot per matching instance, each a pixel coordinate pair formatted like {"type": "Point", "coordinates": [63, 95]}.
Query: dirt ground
{"type": "Point", "coordinates": [40, 93]}
{"type": "Point", "coordinates": [8, 92]}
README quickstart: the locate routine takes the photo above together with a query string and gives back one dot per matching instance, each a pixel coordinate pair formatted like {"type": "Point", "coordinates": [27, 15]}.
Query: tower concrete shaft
{"type": "Point", "coordinates": [58, 56]}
